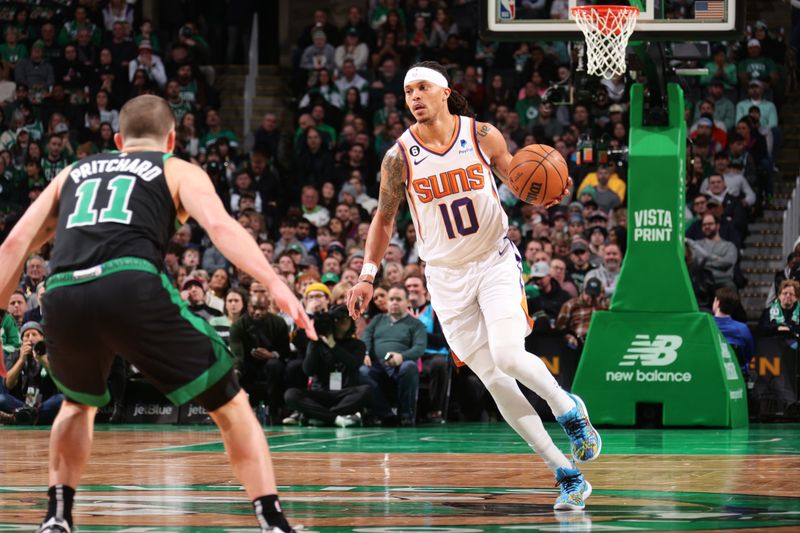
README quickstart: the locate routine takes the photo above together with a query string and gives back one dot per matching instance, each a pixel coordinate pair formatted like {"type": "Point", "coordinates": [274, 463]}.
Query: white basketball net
{"type": "Point", "coordinates": [607, 30]}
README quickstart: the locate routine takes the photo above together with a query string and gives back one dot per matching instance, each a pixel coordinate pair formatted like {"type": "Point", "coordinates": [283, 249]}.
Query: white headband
{"type": "Point", "coordinates": [427, 74]}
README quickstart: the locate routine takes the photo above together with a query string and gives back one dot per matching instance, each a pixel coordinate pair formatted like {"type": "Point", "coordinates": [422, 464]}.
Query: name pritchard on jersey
{"type": "Point", "coordinates": [144, 169]}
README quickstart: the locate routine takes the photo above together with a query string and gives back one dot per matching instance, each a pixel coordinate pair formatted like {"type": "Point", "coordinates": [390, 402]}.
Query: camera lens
{"type": "Point", "coordinates": [40, 348]}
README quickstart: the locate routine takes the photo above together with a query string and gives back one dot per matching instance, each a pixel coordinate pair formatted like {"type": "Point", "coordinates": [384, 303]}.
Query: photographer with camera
{"type": "Point", "coordinates": [335, 395]}
{"type": "Point", "coordinates": [260, 345]}
{"type": "Point", "coordinates": [28, 390]}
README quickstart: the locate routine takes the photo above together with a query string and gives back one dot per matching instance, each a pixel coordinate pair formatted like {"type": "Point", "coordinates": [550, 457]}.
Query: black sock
{"type": "Point", "coordinates": [60, 504]}
{"type": "Point", "coordinates": [269, 508]}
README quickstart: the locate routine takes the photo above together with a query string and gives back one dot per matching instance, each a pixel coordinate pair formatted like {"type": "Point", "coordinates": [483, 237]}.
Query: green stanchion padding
{"type": "Point", "coordinates": [679, 360]}
{"type": "Point", "coordinates": [653, 346]}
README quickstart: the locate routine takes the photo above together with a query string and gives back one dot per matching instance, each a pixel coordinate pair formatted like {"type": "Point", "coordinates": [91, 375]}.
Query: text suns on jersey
{"type": "Point", "coordinates": [450, 182]}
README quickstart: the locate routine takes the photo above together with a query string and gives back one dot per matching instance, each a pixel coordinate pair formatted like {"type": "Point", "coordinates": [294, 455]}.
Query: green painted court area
{"type": "Point", "coordinates": [454, 478]}
{"type": "Point", "coordinates": [764, 439]}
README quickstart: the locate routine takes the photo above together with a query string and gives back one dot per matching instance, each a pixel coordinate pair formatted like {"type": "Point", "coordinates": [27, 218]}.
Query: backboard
{"type": "Point", "coordinates": [660, 20]}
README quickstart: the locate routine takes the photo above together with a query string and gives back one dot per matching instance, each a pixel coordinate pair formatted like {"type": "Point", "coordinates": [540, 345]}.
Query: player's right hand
{"type": "Point", "coordinates": [289, 304]}
{"type": "Point", "coordinates": [358, 299]}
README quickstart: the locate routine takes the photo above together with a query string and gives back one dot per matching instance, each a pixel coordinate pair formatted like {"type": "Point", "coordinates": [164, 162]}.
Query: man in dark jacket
{"type": "Point", "coordinates": [545, 307]}
{"type": "Point", "coordinates": [332, 362]}
{"type": "Point", "coordinates": [260, 345]}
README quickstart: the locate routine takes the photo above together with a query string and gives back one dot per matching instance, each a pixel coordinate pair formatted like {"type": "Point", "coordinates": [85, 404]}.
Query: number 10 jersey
{"type": "Point", "coordinates": [452, 196]}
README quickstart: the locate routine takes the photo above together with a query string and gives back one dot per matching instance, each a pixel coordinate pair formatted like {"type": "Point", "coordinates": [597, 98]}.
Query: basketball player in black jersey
{"type": "Point", "coordinates": [112, 216]}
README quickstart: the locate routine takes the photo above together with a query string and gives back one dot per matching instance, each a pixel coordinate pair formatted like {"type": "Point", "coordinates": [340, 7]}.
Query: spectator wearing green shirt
{"type": "Point", "coordinates": [69, 33]}
{"type": "Point", "coordinates": [12, 51]}
{"type": "Point", "coordinates": [190, 89]}
{"type": "Point", "coordinates": [176, 102]}
{"type": "Point", "coordinates": [146, 33]}
{"type": "Point", "coordinates": [395, 341]}
{"type": "Point", "coordinates": [757, 67]}
{"type": "Point", "coordinates": [389, 106]}
{"type": "Point", "coordinates": [720, 70]}
{"type": "Point", "coordinates": [9, 334]}
{"type": "Point", "coordinates": [194, 42]}
{"type": "Point", "coordinates": [56, 160]}
{"type": "Point", "coordinates": [528, 107]}
{"type": "Point", "coordinates": [316, 120]}
{"type": "Point", "coordinates": [215, 131]}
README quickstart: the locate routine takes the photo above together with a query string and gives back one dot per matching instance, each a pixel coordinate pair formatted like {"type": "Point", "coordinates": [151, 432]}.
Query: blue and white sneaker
{"type": "Point", "coordinates": [575, 490]}
{"type": "Point", "coordinates": [584, 439]}
{"type": "Point", "coordinates": [54, 525]}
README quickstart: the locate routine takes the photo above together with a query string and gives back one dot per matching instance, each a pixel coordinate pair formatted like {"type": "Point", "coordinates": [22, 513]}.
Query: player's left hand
{"type": "Point", "coordinates": [567, 190]}
{"type": "Point", "coordinates": [358, 299]}
{"type": "Point", "coordinates": [286, 301]}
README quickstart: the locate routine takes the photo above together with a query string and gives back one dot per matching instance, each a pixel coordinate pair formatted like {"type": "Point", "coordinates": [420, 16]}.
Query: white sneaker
{"type": "Point", "coordinates": [348, 420]}
{"type": "Point", "coordinates": [54, 525]}
{"type": "Point", "coordinates": [292, 420]}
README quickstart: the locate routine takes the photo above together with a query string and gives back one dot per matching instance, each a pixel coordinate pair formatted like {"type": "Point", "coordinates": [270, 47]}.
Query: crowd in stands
{"type": "Point", "coordinates": [307, 194]}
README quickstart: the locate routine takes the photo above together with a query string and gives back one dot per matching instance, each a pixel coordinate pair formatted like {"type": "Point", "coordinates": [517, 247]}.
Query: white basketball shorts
{"type": "Point", "coordinates": [467, 297]}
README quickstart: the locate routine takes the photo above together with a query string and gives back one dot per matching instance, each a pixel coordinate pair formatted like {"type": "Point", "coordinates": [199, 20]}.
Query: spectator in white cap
{"type": "Point", "coordinates": [756, 66]}
{"type": "Point", "coordinates": [545, 307]}
{"type": "Point", "coordinates": [150, 63]}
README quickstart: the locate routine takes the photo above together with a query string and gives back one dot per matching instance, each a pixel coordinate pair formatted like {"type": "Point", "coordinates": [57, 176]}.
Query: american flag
{"type": "Point", "coordinates": [709, 9]}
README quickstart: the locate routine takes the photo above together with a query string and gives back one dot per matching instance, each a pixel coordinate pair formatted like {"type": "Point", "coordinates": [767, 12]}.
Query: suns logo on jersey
{"type": "Point", "coordinates": [451, 182]}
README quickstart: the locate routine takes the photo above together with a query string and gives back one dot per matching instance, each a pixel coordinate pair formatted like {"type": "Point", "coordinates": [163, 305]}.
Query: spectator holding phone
{"type": "Point", "coordinates": [395, 341]}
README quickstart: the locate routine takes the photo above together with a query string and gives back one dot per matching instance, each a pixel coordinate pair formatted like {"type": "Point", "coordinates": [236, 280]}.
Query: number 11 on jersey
{"type": "Point", "coordinates": [455, 208]}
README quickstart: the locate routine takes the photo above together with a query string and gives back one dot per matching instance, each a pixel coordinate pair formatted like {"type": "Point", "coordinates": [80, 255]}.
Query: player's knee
{"type": "Point", "coordinates": [507, 355]}
{"type": "Point", "coordinates": [495, 381]}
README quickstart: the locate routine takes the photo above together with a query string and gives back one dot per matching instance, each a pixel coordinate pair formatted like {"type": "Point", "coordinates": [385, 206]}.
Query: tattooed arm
{"type": "Point", "coordinates": [392, 193]}
{"type": "Point", "coordinates": [494, 146]}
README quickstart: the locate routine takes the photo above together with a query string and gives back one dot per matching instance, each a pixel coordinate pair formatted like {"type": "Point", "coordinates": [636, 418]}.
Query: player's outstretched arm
{"type": "Point", "coordinates": [35, 228]}
{"type": "Point", "coordinates": [199, 200]}
{"type": "Point", "coordinates": [391, 195]}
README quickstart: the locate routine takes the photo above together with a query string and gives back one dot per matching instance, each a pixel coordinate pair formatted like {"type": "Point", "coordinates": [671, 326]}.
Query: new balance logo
{"type": "Point", "coordinates": [661, 351]}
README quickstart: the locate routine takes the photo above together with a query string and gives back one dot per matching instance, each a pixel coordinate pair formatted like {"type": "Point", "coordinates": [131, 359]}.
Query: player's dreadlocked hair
{"type": "Point", "coordinates": [456, 103]}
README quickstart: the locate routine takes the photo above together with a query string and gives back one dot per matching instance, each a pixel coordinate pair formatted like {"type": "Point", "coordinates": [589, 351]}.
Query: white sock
{"type": "Point", "coordinates": [515, 408]}
{"type": "Point", "coordinates": [507, 344]}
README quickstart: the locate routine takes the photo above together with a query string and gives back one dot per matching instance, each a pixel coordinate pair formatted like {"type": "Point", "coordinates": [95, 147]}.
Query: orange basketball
{"type": "Point", "coordinates": [538, 174]}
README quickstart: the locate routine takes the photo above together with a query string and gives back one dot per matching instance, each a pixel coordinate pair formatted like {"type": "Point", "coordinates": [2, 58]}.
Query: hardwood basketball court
{"type": "Point", "coordinates": [457, 478]}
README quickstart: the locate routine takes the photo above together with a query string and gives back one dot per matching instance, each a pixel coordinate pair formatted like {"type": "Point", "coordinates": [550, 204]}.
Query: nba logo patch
{"type": "Point", "coordinates": [507, 10]}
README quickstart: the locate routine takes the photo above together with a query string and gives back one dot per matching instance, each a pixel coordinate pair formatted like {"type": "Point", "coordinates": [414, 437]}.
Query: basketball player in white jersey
{"type": "Point", "coordinates": [443, 166]}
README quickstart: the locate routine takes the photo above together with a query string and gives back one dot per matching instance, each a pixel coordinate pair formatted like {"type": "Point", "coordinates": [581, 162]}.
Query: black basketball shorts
{"type": "Point", "coordinates": [126, 307]}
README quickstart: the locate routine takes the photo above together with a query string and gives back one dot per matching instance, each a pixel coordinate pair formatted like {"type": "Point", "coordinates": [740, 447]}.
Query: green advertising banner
{"type": "Point", "coordinates": [653, 346]}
